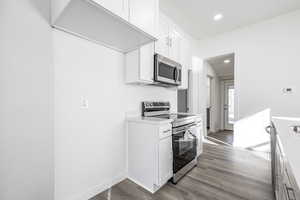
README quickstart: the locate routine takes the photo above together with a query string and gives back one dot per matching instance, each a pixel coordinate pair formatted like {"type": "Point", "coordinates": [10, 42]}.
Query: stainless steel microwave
{"type": "Point", "coordinates": [167, 71]}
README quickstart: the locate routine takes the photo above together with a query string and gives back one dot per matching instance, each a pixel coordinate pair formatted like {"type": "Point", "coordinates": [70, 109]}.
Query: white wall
{"type": "Point", "coordinates": [266, 61]}
{"type": "Point", "coordinates": [26, 105]}
{"type": "Point", "coordinates": [90, 143]}
{"type": "Point", "coordinates": [215, 99]}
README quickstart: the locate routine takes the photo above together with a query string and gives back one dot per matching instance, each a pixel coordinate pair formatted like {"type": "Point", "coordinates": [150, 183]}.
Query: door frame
{"type": "Point", "coordinates": [225, 85]}
{"type": "Point", "coordinates": [203, 74]}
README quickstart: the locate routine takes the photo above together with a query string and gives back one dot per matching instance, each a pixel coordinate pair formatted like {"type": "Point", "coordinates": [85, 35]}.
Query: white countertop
{"type": "Point", "coordinates": [155, 120]}
{"type": "Point", "coordinates": [149, 120]}
{"type": "Point", "coordinates": [290, 142]}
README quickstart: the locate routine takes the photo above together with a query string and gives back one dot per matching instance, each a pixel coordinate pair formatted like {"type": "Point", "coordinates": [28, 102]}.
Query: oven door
{"type": "Point", "coordinates": [167, 71]}
{"type": "Point", "coordinates": [184, 147]}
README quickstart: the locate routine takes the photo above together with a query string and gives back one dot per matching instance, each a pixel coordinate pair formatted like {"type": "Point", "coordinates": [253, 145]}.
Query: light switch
{"type": "Point", "coordinates": [288, 90]}
{"type": "Point", "coordinates": [84, 103]}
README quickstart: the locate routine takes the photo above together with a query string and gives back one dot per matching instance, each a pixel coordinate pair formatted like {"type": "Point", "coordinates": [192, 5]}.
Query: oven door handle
{"type": "Point", "coordinates": [180, 129]}
{"type": "Point", "coordinates": [187, 140]}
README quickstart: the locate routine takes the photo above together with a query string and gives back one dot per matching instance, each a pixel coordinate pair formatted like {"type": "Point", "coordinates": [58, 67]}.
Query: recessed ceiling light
{"type": "Point", "coordinates": [218, 17]}
{"type": "Point", "coordinates": [227, 61]}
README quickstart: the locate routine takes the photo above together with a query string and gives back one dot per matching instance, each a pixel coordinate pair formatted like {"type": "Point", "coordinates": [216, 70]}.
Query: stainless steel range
{"type": "Point", "coordinates": [184, 139]}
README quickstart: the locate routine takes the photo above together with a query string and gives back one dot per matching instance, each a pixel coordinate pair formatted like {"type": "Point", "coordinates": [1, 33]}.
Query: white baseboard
{"type": "Point", "coordinates": [99, 188]}
{"type": "Point", "coordinates": [143, 186]}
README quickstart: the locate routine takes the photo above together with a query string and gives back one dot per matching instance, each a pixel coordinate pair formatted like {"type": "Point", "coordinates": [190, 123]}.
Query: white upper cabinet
{"type": "Point", "coordinates": [168, 43]}
{"type": "Point", "coordinates": [185, 60]}
{"type": "Point", "coordinates": [118, 7]}
{"type": "Point", "coordinates": [144, 14]}
{"type": "Point", "coordinates": [139, 65]}
{"type": "Point", "coordinates": [108, 22]}
{"type": "Point", "coordinates": [175, 39]}
{"type": "Point", "coordinates": [172, 43]}
{"type": "Point", "coordinates": [162, 45]}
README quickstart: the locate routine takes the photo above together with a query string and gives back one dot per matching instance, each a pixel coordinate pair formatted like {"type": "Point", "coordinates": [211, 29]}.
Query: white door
{"type": "Point", "coordinates": [144, 14]}
{"type": "Point", "coordinates": [165, 160]}
{"type": "Point", "coordinates": [229, 106]}
{"type": "Point", "coordinates": [118, 7]}
{"type": "Point", "coordinates": [162, 44]}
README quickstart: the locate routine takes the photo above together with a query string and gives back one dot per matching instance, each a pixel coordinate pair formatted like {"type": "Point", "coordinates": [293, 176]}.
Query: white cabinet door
{"type": "Point", "coordinates": [185, 61]}
{"type": "Point", "coordinates": [184, 78]}
{"type": "Point", "coordinates": [118, 7]}
{"type": "Point", "coordinates": [146, 63]}
{"type": "Point", "coordinates": [144, 14]}
{"type": "Point", "coordinates": [139, 65]}
{"type": "Point", "coordinates": [162, 44]}
{"type": "Point", "coordinates": [175, 39]}
{"type": "Point", "coordinates": [165, 160]}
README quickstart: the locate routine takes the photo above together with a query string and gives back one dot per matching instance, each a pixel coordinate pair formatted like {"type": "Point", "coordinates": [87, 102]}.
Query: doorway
{"type": "Point", "coordinates": [228, 106]}
{"type": "Point", "coordinates": [220, 96]}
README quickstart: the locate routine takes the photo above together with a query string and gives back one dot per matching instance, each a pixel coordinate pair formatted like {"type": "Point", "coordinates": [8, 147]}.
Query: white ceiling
{"type": "Point", "coordinates": [223, 69]}
{"type": "Point", "coordinates": [196, 16]}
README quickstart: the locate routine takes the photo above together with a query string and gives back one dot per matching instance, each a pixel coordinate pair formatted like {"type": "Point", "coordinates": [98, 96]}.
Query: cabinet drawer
{"type": "Point", "coordinates": [165, 131]}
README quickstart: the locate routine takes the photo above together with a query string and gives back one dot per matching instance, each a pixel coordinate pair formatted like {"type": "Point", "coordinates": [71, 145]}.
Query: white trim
{"type": "Point", "coordinates": [142, 185]}
{"type": "Point", "coordinates": [222, 90]}
{"type": "Point", "coordinates": [99, 188]}
{"type": "Point", "coordinates": [226, 84]}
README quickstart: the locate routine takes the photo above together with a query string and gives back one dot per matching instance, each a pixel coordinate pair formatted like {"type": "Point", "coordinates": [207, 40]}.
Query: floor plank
{"type": "Point", "coordinates": [223, 173]}
{"type": "Point", "coordinates": [225, 136]}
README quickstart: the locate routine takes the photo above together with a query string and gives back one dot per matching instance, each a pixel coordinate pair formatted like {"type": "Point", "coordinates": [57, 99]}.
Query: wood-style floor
{"type": "Point", "coordinates": [224, 136]}
{"type": "Point", "coordinates": [223, 173]}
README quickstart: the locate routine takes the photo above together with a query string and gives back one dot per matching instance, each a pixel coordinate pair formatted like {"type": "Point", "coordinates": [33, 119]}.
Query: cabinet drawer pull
{"type": "Point", "coordinates": [290, 193]}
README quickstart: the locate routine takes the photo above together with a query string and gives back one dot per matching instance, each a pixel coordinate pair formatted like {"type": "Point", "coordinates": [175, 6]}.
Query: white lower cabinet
{"type": "Point", "coordinates": [165, 160]}
{"type": "Point", "coordinates": [150, 155]}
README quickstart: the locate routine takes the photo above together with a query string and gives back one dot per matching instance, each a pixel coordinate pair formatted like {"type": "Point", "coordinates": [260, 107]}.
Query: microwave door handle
{"type": "Point", "coordinates": [174, 74]}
